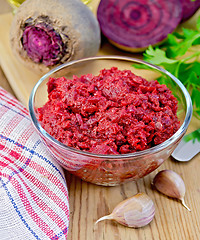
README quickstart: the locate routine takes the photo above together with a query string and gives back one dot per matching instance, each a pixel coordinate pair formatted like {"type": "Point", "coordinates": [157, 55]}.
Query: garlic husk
{"type": "Point", "coordinates": [135, 212]}
{"type": "Point", "coordinates": [171, 184]}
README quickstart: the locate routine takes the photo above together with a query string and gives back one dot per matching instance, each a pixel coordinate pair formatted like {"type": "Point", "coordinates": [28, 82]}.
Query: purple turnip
{"type": "Point", "coordinates": [46, 33]}
{"type": "Point", "coordinates": [134, 25]}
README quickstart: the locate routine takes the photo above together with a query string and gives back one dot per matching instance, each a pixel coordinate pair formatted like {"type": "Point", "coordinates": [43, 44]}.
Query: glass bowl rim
{"type": "Point", "coordinates": [151, 150]}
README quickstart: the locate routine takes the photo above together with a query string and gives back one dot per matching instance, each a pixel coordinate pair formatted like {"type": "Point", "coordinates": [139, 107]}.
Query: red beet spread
{"type": "Point", "coordinates": [115, 112]}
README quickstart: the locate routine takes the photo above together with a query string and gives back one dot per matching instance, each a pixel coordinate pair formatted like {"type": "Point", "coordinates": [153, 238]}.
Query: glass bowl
{"type": "Point", "coordinates": [110, 170]}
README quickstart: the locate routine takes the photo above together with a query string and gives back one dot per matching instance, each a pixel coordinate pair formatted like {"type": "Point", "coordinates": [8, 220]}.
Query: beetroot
{"type": "Point", "coordinates": [47, 33]}
{"type": "Point", "coordinates": [115, 112]}
{"type": "Point", "coordinates": [43, 44]}
{"type": "Point", "coordinates": [189, 8]}
{"type": "Point", "coordinates": [134, 25]}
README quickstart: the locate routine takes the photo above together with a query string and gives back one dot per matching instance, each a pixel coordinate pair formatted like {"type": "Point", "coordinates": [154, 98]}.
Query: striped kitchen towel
{"type": "Point", "coordinates": [33, 192]}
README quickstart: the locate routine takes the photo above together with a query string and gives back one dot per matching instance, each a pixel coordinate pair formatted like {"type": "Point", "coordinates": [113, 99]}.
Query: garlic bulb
{"type": "Point", "coordinates": [171, 184]}
{"type": "Point", "coordinates": [136, 211]}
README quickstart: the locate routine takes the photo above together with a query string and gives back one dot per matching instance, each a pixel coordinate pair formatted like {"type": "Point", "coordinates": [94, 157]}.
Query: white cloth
{"type": "Point", "coordinates": [33, 192]}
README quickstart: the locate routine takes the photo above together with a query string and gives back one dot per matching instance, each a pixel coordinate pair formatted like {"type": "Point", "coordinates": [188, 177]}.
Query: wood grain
{"type": "Point", "coordinates": [89, 202]}
{"type": "Point", "coordinates": [4, 82]}
{"type": "Point", "coordinates": [172, 221]}
{"type": "Point", "coordinates": [5, 7]}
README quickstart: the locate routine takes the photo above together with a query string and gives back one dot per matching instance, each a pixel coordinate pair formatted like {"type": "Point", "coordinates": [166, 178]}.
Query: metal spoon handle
{"type": "Point", "coordinates": [188, 147]}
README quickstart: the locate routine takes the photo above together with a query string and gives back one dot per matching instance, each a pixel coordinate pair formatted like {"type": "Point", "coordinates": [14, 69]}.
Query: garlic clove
{"type": "Point", "coordinates": [135, 212]}
{"type": "Point", "coordinates": [171, 184]}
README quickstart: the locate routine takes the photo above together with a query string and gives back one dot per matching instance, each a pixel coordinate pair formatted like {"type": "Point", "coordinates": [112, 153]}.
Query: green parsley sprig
{"type": "Point", "coordinates": [180, 55]}
{"type": "Point", "coordinates": [193, 136]}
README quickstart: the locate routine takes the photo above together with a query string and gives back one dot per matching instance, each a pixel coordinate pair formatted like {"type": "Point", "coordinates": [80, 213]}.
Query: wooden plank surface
{"type": "Point", "coordinates": [88, 202]}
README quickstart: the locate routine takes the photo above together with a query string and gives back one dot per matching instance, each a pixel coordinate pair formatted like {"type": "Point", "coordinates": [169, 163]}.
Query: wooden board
{"type": "Point", "coordinates": [88, 202]}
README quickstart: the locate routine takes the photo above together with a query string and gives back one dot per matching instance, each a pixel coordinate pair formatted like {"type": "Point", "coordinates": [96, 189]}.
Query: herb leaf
{"type": "Point", "coordinates": [192, 136]}
{"type": "Point", "coordinates": [157, 56]}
